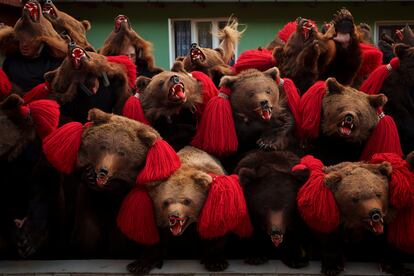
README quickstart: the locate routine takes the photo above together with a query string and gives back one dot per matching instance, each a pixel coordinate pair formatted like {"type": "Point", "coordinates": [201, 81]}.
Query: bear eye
{"type": "Point", "coordinates": [268, 91]}
{"type": "Point", "coordinates": [355, 200]}
{"type": "Point", "coordinates": [187, 201]}
{"type": "Point", "coordinates": [378, 195]}
{"type": "Point", "coordinates": [121, 153]}
{"type": "Point", "coordinates": [251, 94]}
{"type": "Point", "coordinates": [166, 203]}
{"type": "Point", "coordinates": [102, 147]}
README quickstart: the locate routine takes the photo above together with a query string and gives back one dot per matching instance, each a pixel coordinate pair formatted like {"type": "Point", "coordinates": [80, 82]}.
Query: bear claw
{"type": "Point", "coordinates": [216, 265]}
{"type": "Point", "coordinates": [143, 266]}
{"type": "Point", "coordinates": [258, 260]}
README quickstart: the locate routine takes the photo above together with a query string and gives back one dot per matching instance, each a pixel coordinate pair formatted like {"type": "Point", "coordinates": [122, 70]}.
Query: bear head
{"type": "Point", "coordinates": [405, 54]}
{"type": "Point", "coordinates": [361, 193]}
{"type": "Point", "coordinates": [348, 113]}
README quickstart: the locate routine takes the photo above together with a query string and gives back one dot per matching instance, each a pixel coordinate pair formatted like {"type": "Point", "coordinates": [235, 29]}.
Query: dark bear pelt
{"type": "Point", "coordinates": [270, 189]}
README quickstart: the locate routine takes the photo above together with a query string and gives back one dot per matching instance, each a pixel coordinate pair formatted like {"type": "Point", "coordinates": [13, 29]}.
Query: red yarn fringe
{"type": "Point", "coordinates": [5, 84]}
{"type": "Point", "coordinates": [209, 88]}
{"type": "Point", "coordinates": [285, 33]}
{"type": "Point", "coordinates": [260, 59]}
{"type": "Point", "coordinates": [372, 85]}
{"type": "Point", "coordinates": [133, 110]}
{"type": "Point", "coordinates": [39, 92]}
{"type": "Point", "coordinates": [129, 67]}
{"type": "Point", "coordinates": [293, 100]}
{"type": "Point", "coordinates": [310, 108]}
{"type": "Point", "coordinates": [371, 59]}
{"type": "Point", "coordinates": [45, 115]}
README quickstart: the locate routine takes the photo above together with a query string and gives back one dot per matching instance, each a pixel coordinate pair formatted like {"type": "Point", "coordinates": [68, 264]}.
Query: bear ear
{"type": "Point", "coordinates": [401, 50]}
{"type": "Point", "coordinates": [142, 82]}
{"type": "Point", "coordinates": [49, 76]}
{"type": "Point", "coordinates": [178, 66]}
{"type": "Point", "coordinates": [377, 101]}
{"type": "Point", "coordinates": [246, 175]}
{"type": "Point", "coordinates": [147, 134]}
{"type": "Point", "coordinates": [272, 73]}
{"type": "Point", "coordinates": [13, 101]}
{"type": "Point", "coordinates": [333, 86]}
{"type": "Point", "coordinates": [228, 81]}
{"type": "Point", "coordinates": [86, 24]}
{"type": "Point", "coordinates": [202, 179]}
{"type": "Point", "coordinates": [301, 175]}
{"type": "Point", "coordinates": [98, 117]}
{"type": "Point", "coordinates": [384, 168]}
{"type": "Point", "coordinates": [332, 180]}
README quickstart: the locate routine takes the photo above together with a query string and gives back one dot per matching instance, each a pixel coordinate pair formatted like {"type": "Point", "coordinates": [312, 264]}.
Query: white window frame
{"type": "Point", "coordinates": [194, 37]}
{"type": "Point", "coordinates": [388, 23]}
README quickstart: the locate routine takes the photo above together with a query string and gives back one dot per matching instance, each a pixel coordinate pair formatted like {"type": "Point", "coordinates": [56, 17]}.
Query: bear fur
{"type": "Point", "coordinates": [181, 198]}
{"type": "Point", "coordinates": [30, 197]}
{"type": "Point", "coordinates": [124, 35]}
{"type": "Point", "coordinates": [336, 142]}
{"type": "Point", "coordinates": [113, 150]}
{"type": "Point", "coordinates": [270, 188]}
{"type": "Point", "coordinates": [87, 81]}
{"type": "Point", "coordinates": [64, 24]}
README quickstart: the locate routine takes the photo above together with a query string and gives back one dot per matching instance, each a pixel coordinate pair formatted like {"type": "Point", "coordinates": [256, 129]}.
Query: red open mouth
{"type": "Point", "coordinates": [101, 179]}
{"type": "Point", "coordinates": [197, 55]}
{"type": "Point", "coordinates": [377, 227]}
{"type": "Point", "coordinates": [177, 224]}
{"type": "Point", "coordinates": [399, 34]}
{"type": "Point", "coordinates": [347, 125]}
{"type": "Point", "coordinates": [177, 93]}
{"type": "Point", "coordinates": [77, 55]}
{"type": "Point", "coordinates": [119, 20]}
{"type": "Point", "coordinates": [277, 239]}
{"type": "Point", "coordinates": [307, 28]}
{"type": "Point", "coordinates": [265, 112]}
{"type": "Point", "coordinates": [32, 9]}
{"type": "Point", "coordinates": [49, 10]}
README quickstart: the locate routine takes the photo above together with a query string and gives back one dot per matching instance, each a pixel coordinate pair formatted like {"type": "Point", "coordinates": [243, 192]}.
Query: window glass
{"type": "Point", "coordinates": [182, 37]}
{"type": "Point", "coordinates": [205, 38]}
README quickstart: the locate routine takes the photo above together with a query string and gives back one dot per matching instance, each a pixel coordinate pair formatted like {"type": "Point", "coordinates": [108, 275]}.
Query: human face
{"type": "Point", "coordinates": [130, 52]}
{"type": "Point", "coordinates": [29, 47]}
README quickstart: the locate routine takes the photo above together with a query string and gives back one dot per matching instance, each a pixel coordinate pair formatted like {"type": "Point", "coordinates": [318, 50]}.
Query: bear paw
{"type": "Point", "coordinates": [257, 260]}
{"type": "Point", "coordinates": [30, 237]}
{"type": "Point", "coordinates": [295, 262]}
{"type": "Point", "coordinates": [332, 269]}
{"type": "Point", "coordinates": [342, 15]}
{"type": "Point", "coordinates": [272, 143]}
{"type": "Point", "coordinates": [144, 266]}
{"type": "Point", "coordinates": [215, 265]}
{"type": "Point", "coordinates": [396, 269]}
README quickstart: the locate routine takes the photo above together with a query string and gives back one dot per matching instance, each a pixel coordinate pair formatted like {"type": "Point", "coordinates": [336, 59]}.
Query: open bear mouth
{"type": "Point", "coordinates": [119, 20]}
{"type": "Point", "coordinates": [77, 55]}
{"type": "Point", "coordinates": [277, 238]}
{"type": "Point", "coordinates": [197, 55]}
{"type": "Point", "coordinates": [32, 9]}
{"type": "Point", "coordinates": [265, 112]}
{"type": "Point", "coordinates": [177, 224]}
{"type": "Point", "coordinates": [48, 10]}
{"type": "Point", "coordinates": [399, 34]}
{"type": "Point", "coordinates": [376, 227]}
{"type": "Point", "coordinates": [347, 125]}
{"type": "Point", "coordinates": [102, 179]}
{"type": "Point", "coordinates": [307, 27]}
{"type": "Point", "coordinates": [177, 92]}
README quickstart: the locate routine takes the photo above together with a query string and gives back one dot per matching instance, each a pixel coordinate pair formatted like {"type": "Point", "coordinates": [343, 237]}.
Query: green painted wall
{"type": "Point", "coordinates": [262, 19]}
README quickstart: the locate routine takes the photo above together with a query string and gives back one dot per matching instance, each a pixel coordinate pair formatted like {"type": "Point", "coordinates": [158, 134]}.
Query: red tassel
{"type": "Point", "coordinates": [316, 202]}
{"type": "Point", "coordinates": [216, 133]}
{"type": "Point", "coordinates": [209, 88]}
{"type": "Point", "coordinates": [310, 108]}
{"type": "Point", "coordinates": [260, 59]}
{"type": "Point", "coordinates": [136, 218]}
{"type": "Point", "coordinates": [133, 110]}
{"type": "Point", "coordinates": [401, 229]}
{"type": "Point", "coordinates": [286, 32]}
{"type": "Point", "coordinates": [371, 59]}
{"type": "Point", "coordinates": [39, 92]}
{"type": "Point", "coordinates": [225, 209]}
{"type": "Point", "coordinates": [401, 186]}
{"type": "Point", "coordinates": [293, 99]}
{"type": "Point", "coordinates": [5, 84]}
{"type": "Point", "coordinates": [129, 67]}
{"type": "Point", "coordinates": [45, 115]}
{"type": "Point", "coordinates": [372, 85]}
{"type": "Point", "coordinates": [384, 139]}
{"type": "Point", "coordinates": [61, 146]}
{"type": "Point", "coordinates": [161, 162]}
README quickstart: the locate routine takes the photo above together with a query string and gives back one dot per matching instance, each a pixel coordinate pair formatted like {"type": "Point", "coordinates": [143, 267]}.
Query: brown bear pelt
{"type": "Point", "coordinates": [174, 115]}
{"type": "Point", "coordinates": [122, 36]}
{"type": "Point", "coordinates": [177, 204]}
{"type": "Point", "coordinates": [398, 87]}
{"type": "Point", "coordinates": [270, 188]}
{"type": "Point", "coordinates": [32, 24]}
{"type": "Point", "coordinates": [261, 115]}
{"type": "Point", "coordinates": [65, 24]}
{"type": "Point", "coordinates": [29, 194]}
{"type": "Point", "coordinates": [80, 83]}
{"type": "Point", "coordinates": [361, 194]}
{"type": "Point", "coordinates": [347, 120]}
{"type": "Point", "coordinates": [113, 150]}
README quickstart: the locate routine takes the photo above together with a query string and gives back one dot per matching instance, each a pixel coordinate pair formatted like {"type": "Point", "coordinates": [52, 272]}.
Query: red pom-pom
{"type": "Point", "coordinates": [293, 99]}
{"type": "Point", "coordinates": [216, 133]}
{"type": "Point", "coordinates": [61, 146]}
{"type": "Point", "coordinates": [384, 138]}
{"type": "Point", "coordinates": [133, 110]}
{"type": "Point", "coordinates": [161, 162]}
{"type": "Point", "coordinates": [316, 202]}
{"type": "Point", "coordinates": [260, 59]}
{"type": "Point", "coordinates": [209, 88]}
{"type": "Point", "coordinates": [310, 108]}
{"type": "Point", "coordinates": [5, 84]}
{"type": "Point", "coordinates": [371, 59]}
{"type": "Point", "coordinates": [45, 115]}
{"type": "Point", "coordinates": [401, 186]}
{"type": "Point", "coordinates": [136, 218]}
{"type": "Point", "coordinates": [285, 33]}
{"type": "Point", "coordinates": [129, 66]}
{"type": "Point", "coordinates": [401, 229]}
{"type": "Point", "coordinates": [39, 92]}
{"type": "Point", "coordinates": [372, 85]}
{"type": "Point", "coordinates": [225, 209]}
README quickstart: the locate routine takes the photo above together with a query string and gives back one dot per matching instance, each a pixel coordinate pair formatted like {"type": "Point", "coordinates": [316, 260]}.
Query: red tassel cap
{"type": "Point", "coordinates": [286, 32]}
{"type": "Point", "coordinates": [371, 59]}
{"type": "Point", "coordinates": [136, 217]}
{"type": "Point", "coordinates": [316, 202]}
{"type": "Point", "coordinates": [133, 110]}
{"type": "Point", "coordinates": [310, 108]}
{"type": "Point", "coordinates": [225, 209]}
{"type": "Point", "coordinates": [161, 162]}
{"type": "Point", "coordinates": [293, 99]}
{"type": "Point", "coordinates": [372, 85]}
{"type": "Point", "coordinates": [5, 84]}
{"type": "Point", "coordinates": [39, 92]}
{"type": "Point", "coordinates": [129, 67]}
{"type": "Point", "coordinates": [260, 59]}
{"type": "Point", "coordinates": [216, 133]}
{"type": "Point", "coordinates": [401, 229]}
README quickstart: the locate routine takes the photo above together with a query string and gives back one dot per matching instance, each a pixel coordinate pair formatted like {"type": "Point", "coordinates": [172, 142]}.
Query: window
{"type": "Point", "coordinates": [183, 32]}
{"type": "Point", "coordinates": [389, 27]}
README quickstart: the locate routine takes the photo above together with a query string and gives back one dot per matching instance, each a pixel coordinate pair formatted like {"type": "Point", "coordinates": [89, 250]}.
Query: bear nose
{"type": "Point", "coordinates": [375, 215]}
{"type": "Point", "coordinates": [264, 103]}
{"type": "Point", "coordinates": [276, 231]}
{"type": "Point", "coordinates": [193, 45]}
{"type": "Point", "coordinates": [349, 118]}
{"type": "Point", "coordinates": [175, 79]}
{"type": "Point", "coordinates": [103, 170]}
